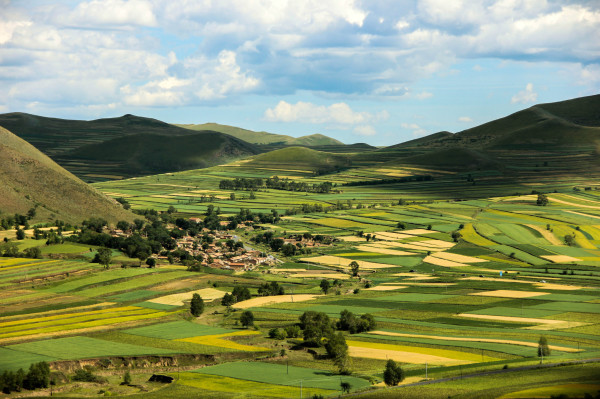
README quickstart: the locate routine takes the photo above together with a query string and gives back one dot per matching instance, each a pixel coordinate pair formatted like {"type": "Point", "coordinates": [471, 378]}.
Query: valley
{"type": "Point", "coordinates": [469, 259]}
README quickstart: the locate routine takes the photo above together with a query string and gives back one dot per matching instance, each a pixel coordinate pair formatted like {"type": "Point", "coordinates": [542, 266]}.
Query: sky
{"type": "Point", "coordinates": [374, 71]}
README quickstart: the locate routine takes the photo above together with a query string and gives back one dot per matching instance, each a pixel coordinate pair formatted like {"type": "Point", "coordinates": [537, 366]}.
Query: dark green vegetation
{"type": "Point", "coordinates": [127, 146]}
{"type": "Point", "coordinates": [31, 180]}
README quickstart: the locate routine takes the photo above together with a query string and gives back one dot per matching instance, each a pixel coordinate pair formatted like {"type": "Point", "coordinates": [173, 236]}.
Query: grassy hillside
{"type": "Point", "coordinates": [114, 148]}
{"type": "Point", "coordinates": [31, 179]}
{"type": "Point", "coordinates": [143, 154]}
{"type": "Point", "coordinates": [264, 137]}
{"type": "Point", "coordinates": [300, 159]}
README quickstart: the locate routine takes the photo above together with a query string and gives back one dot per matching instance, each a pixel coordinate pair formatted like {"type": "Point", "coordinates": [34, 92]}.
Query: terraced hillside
{"type": "Point", "coordinates": [29, 179]}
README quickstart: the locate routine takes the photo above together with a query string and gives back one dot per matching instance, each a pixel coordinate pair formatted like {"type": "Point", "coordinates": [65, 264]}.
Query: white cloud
{"type": "Point", "coordinates": [525, 96]}
{"type": "Point", "coordinates": [465, 119]}
{"type": "Point", "coordinates": [112, 13]}
{"type": "Point", "coordinates": [416, 129]}
{"type": "Point", "coordinates": [365, 130]}
{"type": "Point", "coordinates": [339, 113]}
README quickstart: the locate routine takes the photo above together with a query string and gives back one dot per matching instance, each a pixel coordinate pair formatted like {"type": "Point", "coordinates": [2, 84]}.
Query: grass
{"type": "Point", "coordinates": [282, 375]}
{"type": "Point", "coordinates": [12, 359]}
{"type": "Point", "coordinates": [221, 385]}
{"type": "Point", "coordinates": [84, 348]}
{"type": "Point", "coordinates": [177, 330]}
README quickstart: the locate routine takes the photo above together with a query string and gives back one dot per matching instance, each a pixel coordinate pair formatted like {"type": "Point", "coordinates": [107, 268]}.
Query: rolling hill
{"type": "Point", "coordinates": [145, 154]}
{"type": "Point", "coordinates": [301, 159]}
{"type": "Point", "coordinates": [30, 179]}
{"type": "Point", "coordinates": [114, 148]}
{"type": "Point", "coordinates": [264, 137]}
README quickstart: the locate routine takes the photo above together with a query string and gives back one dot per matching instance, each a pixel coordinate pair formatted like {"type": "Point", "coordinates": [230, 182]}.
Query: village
{"type": "Point", "coordinates": [224, 249]}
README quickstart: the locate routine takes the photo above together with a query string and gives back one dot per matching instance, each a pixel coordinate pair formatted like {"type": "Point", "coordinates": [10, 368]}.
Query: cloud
{"type": "Point", "coordinates": [465, 119]}
{"type": "Point", "coordinates": [112, 13]}
{"type": "Point", "coordinates": [416, 129]}
{"type": "Point", "coordinates": [365, 130]}
{"type": "Point", "coordinates": [525, 96]}
{"type": "Point", "coordinates": [339, 113]}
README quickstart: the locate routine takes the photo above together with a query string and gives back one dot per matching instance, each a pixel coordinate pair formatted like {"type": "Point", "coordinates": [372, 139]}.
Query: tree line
{"type": "Point", "coordinates": [275, 183]}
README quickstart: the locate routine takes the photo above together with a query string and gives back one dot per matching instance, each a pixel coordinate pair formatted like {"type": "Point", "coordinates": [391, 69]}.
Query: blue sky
{"type": "Point", "coordinates": [377, 71]}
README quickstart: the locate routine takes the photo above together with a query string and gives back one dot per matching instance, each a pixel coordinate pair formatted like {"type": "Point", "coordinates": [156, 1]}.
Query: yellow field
{"type": "Point", "coordinates": [570, 390]}
{"type": "Point", "coordinates": [470, 235]}
{"type": "Point", "coordinates": [267, 300]}
{"type": "Point", "coordinates": [543, 324]}
{"type": "Point", "coordinates": [442, 262]}
{"type": "Point", "coordinates": [344, 262]}
{"type": "Point", "coordinates": [511, 294]}
{"type": "Point", "coordinates": [559, 287]}
{"type": "Point", "coordinates": [412, 354]}
{"type": "Point", "coordinates": [418, 232]}
{"type": "Point", "coordinates": [388, 235]}
{"type": "Point", "coordinates": [386, 287]}
{"type": "Point", "coordinates": [372, 248]}
{"type": "Point", "coordinates": [317, 274]}
{"type": "Point", "coordinates": [207, 294]}
{"type": "Point", "coordinates": [547, 234]}
{"type": "Point", "coordinates": [218, 341]}
{"type": "Point", "coordinates": [459, 258]}
{"type": "Point", "coordinates": [560, 258]}
{"type": "Point", "coordinates": [353, 239]}
{"type": "Point", "coordinates": [465, 339]}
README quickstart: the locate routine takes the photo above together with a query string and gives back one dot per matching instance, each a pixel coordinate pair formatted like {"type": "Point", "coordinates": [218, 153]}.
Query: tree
{"type": "Point", "coordinates": [103, 257]}
{"type": "Point", "coordinates": [325, 285]}
{"type": "Point", "coordinates": [151, 262]}
{"type": "Point", "coordinates": [197, 305]}
{"type": "Point", "coordinates": [34, 252]}
{"type": "Point", "coordinates": [315, 326]}
{"type": "Point", "coordinates": [171, 209]}
{"type": "Point", "coordinates": [127, 378]}
{"type": "Point", "coordinates": [38, 376]}
{"type": "Point", "coordinates": [20, 234]}
{"type": "Point", "coordinates": [393, 374]}
{"type": "Point", "coordinates": [247, 318]}
{"type": "Point", "coordinates": [456, 236]}
{"type": "Point", "coordinates": [570, 240]}
{"type": "Point", "coordinates": [542, 200]}
{"type": "Point", "coordinates": [228, 299]}
{"type": "Point", "coordinates": [123, 225]}
{"type": "Point", "coordinates": [354, 268]}
{"type": "Point", "coordinates": [345, 386]}
{"type": "Point", "coordinates": [337, 349]}
{"type": "Point", "coordinates": [543, 348]}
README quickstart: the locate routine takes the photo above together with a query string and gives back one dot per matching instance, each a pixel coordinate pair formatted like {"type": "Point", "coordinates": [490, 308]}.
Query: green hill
{"type": "Point", "coordinates": [264, 137]}
{"type": "Point", "coordinates": [114, 148]}
{"type": "Point", "coordinates": [31, 179]}
{"type": "Point", "coordinates": [301, 159]}
{"type": "Point", "coordinates": [143, 154]}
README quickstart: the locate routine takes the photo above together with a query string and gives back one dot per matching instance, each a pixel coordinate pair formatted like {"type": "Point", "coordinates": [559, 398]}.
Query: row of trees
{"type": "Point", "coordinates": [38, 376]}
{"type": "Point", "coordinates": [274, 183]}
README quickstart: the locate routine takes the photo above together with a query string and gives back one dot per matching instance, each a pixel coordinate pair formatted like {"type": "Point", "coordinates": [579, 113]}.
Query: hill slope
{"type": "Point", "coordinates": [29, 178]}
{"type": "Point", "coordinates": [101, 149]}
{"type": "Point", "coordinates": [145, 154]}
{"type": "Point", "coordinates": [264, 137]}
{"type": "Point", "coordinates": [301, 159]}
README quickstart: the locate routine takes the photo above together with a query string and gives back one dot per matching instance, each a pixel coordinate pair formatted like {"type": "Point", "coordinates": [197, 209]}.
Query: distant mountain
{"type": "Point", "coordinates": [125, 146]}
{"type": "Point", "coordinates": [264, 137]}
{"type": "Point", "coordinates": [563, 137]}
{"type": "Point", "coordinates": [28, 179]}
